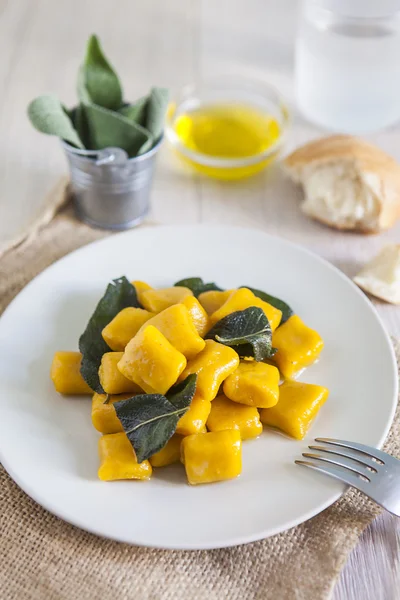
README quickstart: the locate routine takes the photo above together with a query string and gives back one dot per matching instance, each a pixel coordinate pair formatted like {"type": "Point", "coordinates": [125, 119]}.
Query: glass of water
{"type": "Point", "coordinates": [348, 64]}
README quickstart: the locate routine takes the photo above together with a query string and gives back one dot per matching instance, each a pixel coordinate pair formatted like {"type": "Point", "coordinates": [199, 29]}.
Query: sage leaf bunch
{"type": "Point", "coordinates": [102, 118]}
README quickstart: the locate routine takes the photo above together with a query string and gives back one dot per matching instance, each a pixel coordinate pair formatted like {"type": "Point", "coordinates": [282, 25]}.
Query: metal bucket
{"type": "Point", "coordinates": [111, 190]}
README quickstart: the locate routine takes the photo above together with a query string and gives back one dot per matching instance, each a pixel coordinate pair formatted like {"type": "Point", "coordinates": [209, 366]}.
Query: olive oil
{"type": "Point", "coordinates": [228, 132]}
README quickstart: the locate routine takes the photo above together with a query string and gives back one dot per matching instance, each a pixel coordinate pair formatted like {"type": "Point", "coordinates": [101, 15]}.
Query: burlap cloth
{"type": "Point", "coordinates": [42, 557]}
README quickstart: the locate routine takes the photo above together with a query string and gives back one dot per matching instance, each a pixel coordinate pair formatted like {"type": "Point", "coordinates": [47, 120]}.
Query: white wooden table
{"type": "Point", "coordinates": [171, 43]}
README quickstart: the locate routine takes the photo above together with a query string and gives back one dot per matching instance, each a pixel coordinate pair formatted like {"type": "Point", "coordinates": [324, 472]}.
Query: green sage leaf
{"type": "Point", "coordinates": [156, 110]}
{"type": "Point", "coordinates": [108, 128]}
{"type": "Point", "coordinates": [120, 293]}
{"type": "Point", "coordinates": [181, 394]}
{"type": "Point", "coordinates": [247, 331]}
{"type": "Point", "coordinates": [149, 112]}
{"type": "Point", "coordinates": [82, 91]}
{"type": "Point", "coordinates": [98, 83]}
{"type": "Point", "coordinates": [197, 285]}
{"type": "Point", "coordinates": [146, 146]}
{"type": "Point", "coordinates": [150, 420]}
{"type": "Point", "coordinates": [287, 311]}
{"type": "Point", "coordinates": [135, 112]}
{"type": "Point", "coordinates": [78, 118]}
{"type": "Point", "coordinates": [47, 114]}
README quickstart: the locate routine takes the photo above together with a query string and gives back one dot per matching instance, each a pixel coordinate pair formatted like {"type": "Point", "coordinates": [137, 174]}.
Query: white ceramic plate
{"type": "Point", "coordinates": [48, 444]}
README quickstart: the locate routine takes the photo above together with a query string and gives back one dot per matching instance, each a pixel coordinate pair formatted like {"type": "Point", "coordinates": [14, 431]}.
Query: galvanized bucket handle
{"type": "Point", "coordinates": [107, 156]}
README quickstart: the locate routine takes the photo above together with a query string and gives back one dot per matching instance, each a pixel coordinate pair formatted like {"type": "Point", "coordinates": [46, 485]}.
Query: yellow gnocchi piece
{"type": "Point", "coordinates": [111, 379]}
{"type": "Point", "coordinates": [197, 314]}
{"type": "Point", "coordinates": [104, 417]}
{"type": "Point", "coordinates": [212, 365]}
{"type": "Point", "coordinates": [298, 406]}
{"type": "Point", "coordinates": [118, 459]}
{"type": "Point", "coordinates": [66, 375]}
{"type": "Point", "coordinates": [157, 300]}
{"type": "Point", "coordinates": [226, 414]}
{"type": "Point", "coordinates": [140, 287]}
{"type": "Point", "coordinates": [213, 300]}
{"type": "Point", "coordinates": [253, 383]}
{"type": "Point", "coordinates": [124, 327]}
{"type": "Point", "coordinates": [244, 298]}
{"type": "Point", "coordinates": [171, 453]}
{"type": "Point", "coordinates": [177, 326]}
{"type": "Point", "coordinates": [298, 346]}
{"type": "Point", "coordinates": [194, 420]}
{"type": "Point", "coordinates": [213, 456]}
{"type": "Point", "coordinates": [151, 361]}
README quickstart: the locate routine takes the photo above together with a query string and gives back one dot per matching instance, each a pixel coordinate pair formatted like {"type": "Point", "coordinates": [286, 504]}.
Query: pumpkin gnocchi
{"type": "Point", "coordinates": [185, 374]}
{"type": "Point", "coordinates": [66, 376]}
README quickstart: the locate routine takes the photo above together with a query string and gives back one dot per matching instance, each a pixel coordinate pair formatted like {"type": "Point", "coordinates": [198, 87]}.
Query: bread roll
{"type": "Point", "coordinates": [347, 183]}
{"type": "Point", "coordinates": [381, 276]}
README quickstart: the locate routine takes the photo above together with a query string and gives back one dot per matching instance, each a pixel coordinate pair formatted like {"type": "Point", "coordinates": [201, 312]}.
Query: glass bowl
{"type": "Point", "coordinates": [225, 156]}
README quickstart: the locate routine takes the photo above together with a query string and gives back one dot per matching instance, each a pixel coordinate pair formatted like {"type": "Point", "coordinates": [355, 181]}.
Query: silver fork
{"type": "Point", "coordinates": [373, 472]}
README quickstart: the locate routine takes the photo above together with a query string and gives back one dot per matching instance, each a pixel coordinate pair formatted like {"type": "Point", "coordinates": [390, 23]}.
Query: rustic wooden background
{"type": "Point", "coordinates": [171, 43]}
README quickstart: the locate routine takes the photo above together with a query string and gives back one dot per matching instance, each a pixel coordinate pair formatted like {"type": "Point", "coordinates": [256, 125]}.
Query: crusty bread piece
{"type": "Point", "coordinates": [347, 183]}
{"type": "Point", "coordinates": [381, 276]}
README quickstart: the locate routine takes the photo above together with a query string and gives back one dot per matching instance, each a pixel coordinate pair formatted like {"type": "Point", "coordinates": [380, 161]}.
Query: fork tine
{"type": "Point", "coordinates": [337, 473]}
{"type": "Point", "coordinates": [338, 463]}
{"type": "Point", "coordinates": [368, 450]}
{"type": "Point", "coordinates": [360, 459]}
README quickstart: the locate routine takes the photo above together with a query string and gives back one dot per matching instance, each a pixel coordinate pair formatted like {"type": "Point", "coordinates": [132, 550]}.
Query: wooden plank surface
{"type": "Point", "coordinates": [172, 43]}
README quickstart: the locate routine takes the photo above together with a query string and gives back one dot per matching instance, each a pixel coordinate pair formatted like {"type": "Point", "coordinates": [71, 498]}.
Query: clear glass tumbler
{"type": "Point", "coordinates": [348, 64]}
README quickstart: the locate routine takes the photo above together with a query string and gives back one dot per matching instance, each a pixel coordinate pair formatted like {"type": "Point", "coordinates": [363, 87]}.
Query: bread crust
{"type": "Point", "coordinates": [366, 158]}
